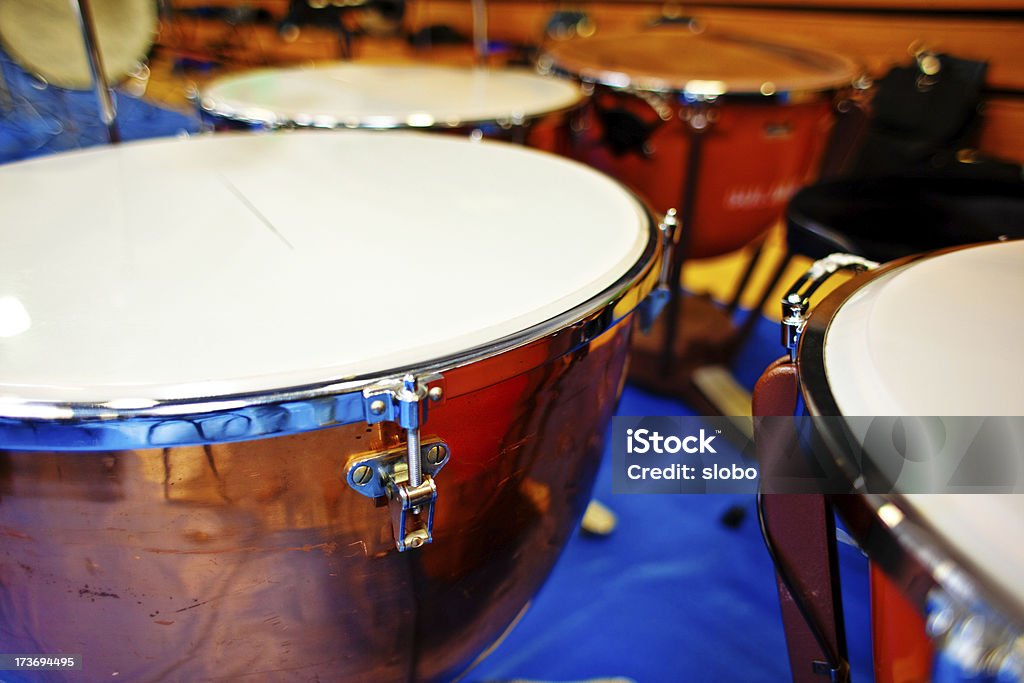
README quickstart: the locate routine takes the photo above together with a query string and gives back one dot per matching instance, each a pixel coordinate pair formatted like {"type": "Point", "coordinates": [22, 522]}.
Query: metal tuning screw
{"type": "Point", "coordinates": [655, 302]}
{"type": "Point", "coordinates": [405, 476]}
{"type": "Point", "coordinates": [409, 397]}
{"type": "Point", "coordinates": [797, 300]}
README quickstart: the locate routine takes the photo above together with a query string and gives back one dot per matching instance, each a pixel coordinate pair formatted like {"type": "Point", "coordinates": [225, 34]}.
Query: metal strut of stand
{"type": "Point", "coordinates": [108, 112]}
{"type": "Point", "coordinates": [698, 119]}
{"type": "Point", "coordinates": [835, 667]}
{"type": "Point", "coordinates": [480, 46]}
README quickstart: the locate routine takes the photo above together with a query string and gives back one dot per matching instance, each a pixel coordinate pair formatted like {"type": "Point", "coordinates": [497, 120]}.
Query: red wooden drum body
{"type": "Point", "coordinates": [760, 114]}
{"type": "Point", "coordinates": [211, 482]}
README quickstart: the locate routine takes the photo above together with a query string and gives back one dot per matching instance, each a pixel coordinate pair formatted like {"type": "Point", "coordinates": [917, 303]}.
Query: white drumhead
{"type": "Point", "coordinates": [386, 96]}
{"type": "Point", "coordinates": [941, 336]}
{"type": "Point", "coordinates": [247, 263]}
{"type": "Point", "coordinates": [986, 529]}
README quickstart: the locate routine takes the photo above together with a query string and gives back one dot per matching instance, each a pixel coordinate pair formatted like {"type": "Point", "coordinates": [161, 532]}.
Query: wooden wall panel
{"type": "Point", "coordinates": [876, 33]}
{"type": "Point", "coordinates": [877, 40]}
{"type": "Point", "coordinates": [880, 42]}
{"type": "Point", "coordinates": [904, 6]}
{"type": "Point", "coordinates": [1003, 133]}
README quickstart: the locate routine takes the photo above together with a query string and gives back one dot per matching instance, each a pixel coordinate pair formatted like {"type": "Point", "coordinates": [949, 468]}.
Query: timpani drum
{"type": "Point", "coordinates": [217, 455]}
{"type": "Point", "coordinates": [508, 103]}
{"type": "Point", "coordinates": [934, 335]}
{"type": "Point", "coordinates": [724, 127]}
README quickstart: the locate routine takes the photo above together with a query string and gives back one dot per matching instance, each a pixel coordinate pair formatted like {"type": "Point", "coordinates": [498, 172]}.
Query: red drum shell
{"type": "Point", "coordinates": [903, 653]}
{"type": "Point", "coordinates": [767, 109]}
{"type": "Point", "coordinates": [755, 157]}
{"type": "Point", "coordinates": [256, 559]}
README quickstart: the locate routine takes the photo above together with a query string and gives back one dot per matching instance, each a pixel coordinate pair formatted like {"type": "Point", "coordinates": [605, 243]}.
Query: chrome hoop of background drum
{"type": "Point", "coordinates": [507, 103]}
{"type": "Point", "coordinates": [723, 127]}
{"type": "Point", "coordinates": [952, 558]}
{"type": "Point", "coordinates": [147, 352]}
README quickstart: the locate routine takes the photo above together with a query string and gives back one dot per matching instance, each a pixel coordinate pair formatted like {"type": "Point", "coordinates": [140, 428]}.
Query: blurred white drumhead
{"type": "Point", "coordinates": [941, 336]}
{"type": "Point", "coordinates": [386, 96]}
{"type": "Point", "coordinates": [237, 263]}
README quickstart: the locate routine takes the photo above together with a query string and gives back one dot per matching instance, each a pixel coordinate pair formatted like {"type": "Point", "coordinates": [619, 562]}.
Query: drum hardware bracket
{"type": "Point", "coordinates": [835, 675]}
{"type": "Point", "coordinates": [410, 495]}
{"type": "Point", "coordinates": [970, 642]}
{"type": "Point", "coordinates": [856, 96]}
{"type": "Point", "coordinates": [657, 102]}
{"type": "Point", "coordinates": [655, 302]}
{"type": "Point", "coordinates": [698, 107]}
{"type": "Point", "coordinates": [401, 399]}
{"type": "Point", "coordinates": [386, 474]}
{"type": "Point", "coordinates": [798, 298]}
{"type": "Point", "coordinates": [929, 65]}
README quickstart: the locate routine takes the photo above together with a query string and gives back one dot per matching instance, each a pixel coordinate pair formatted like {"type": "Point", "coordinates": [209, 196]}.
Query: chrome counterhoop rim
{"type": "Point", "coordinates": [591, 79]}
{"type": "Point", "coordinates": [907, 547]}
{"type": "Point", "coordinates": [89, 426]}
{"type": "Point", "coordinates": [210, 108]}
{"type": "Point", "coordinates": [549, 64]}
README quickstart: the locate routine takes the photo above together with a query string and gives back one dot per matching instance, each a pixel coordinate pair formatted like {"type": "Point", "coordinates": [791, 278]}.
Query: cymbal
{"type": "Point", "coordinates": [44, 37]}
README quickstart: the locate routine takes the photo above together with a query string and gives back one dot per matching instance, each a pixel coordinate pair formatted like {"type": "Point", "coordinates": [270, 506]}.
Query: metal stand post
{"type": "Point", "coordinates": [698, 122]}
{"type": "Point", "coordinates": [480, 48]}
{"type": "Point", "coordinates": [108, 113]}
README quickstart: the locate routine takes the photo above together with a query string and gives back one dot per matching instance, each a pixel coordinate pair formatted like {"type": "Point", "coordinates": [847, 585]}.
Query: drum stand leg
{"type": "Point", "coordinates": [108, 113]}
{"type": "Point", "coordinates": [748, 272]}
{"type": "Point", "coordinates": [755, 312]}
{"type": "Point", "coordinates": [480, 45]}
{"type": "Point", "coordinates": [689, 197]}
{"type": "Point", "coordinates": [666, 368]}
{"type": "Point", "coordinates": [663, 367]}
{"type": "Point", "coordinates": [799, 533]}
{"type": "Point", "coordinates": [691, 363]}
{"type": "Point", "coordinates": [698, 372]}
